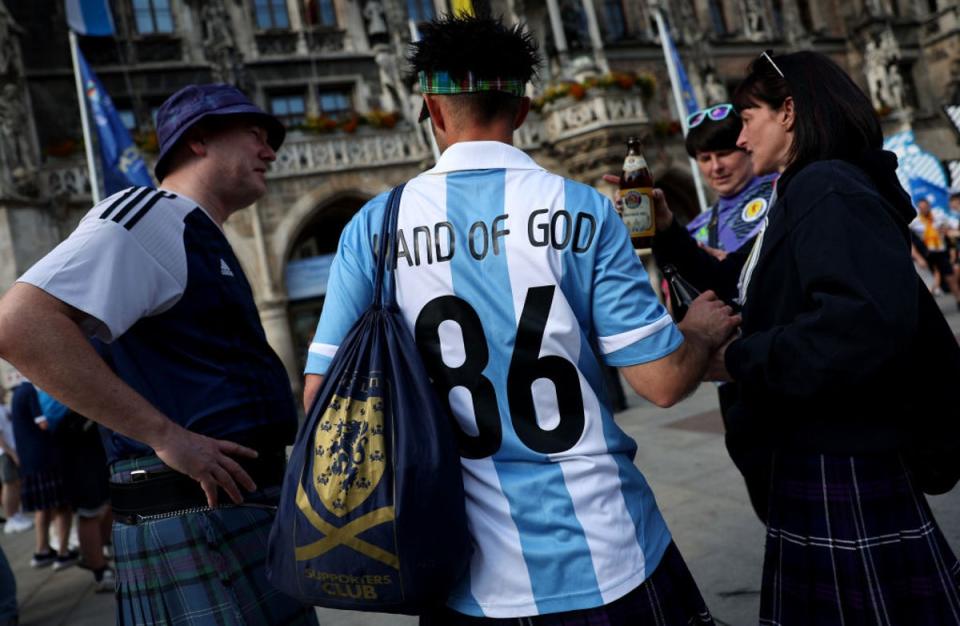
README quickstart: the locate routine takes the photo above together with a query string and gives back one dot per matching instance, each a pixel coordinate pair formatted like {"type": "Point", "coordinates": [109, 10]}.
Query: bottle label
{"type": "Point", "coordinates": [637, 211]}
{"type": "Point", "coordinates": [634, 162]}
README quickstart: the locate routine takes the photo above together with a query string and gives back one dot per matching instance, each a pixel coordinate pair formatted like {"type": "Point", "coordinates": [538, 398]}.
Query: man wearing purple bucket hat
{"type": "Point", "coordinates": [196, 406]}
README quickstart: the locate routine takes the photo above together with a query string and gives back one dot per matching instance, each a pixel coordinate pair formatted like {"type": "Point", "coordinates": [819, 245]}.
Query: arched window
{"type": "Point", "coordinates": [308, 267]}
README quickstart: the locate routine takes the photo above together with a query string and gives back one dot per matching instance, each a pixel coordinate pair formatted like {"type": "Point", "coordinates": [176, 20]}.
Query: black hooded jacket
{"type": "Point", "coordinates": [830, 312]}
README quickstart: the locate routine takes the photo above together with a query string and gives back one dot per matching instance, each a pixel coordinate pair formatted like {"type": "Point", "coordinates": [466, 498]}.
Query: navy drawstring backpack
{"type": "Point", "coordinates": [371, 515]}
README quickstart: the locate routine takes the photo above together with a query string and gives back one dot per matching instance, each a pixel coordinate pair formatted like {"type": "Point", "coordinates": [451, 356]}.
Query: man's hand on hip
{"type": "Point", "coordinates": [208, 461]}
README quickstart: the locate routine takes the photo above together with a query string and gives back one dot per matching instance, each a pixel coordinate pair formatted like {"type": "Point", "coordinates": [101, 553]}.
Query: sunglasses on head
{"type": "Point", "coordinates": [715, 113]}
{"type": "Point", "coordinates": [767, 54]}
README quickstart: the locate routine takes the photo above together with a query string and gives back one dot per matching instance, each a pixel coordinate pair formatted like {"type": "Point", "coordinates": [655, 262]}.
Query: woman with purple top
{"type": "Point", "coordinates": [737, 215]}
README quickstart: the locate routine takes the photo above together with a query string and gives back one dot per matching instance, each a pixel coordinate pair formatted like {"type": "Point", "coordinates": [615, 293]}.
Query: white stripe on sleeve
{"type": "Point", "coordinates": [613, 343]}
{"type": "Point", "coordinates": [324, 349]}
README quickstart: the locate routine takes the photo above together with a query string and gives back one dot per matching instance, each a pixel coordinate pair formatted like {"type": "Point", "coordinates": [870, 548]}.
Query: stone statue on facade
{"type": "Point", "coordinates": [686, 22]}
{"type": "Point", "coordinates": [393, 93]}
{"type": "Point", "coordinates": [376, 20]}
{"type": "Point", "coordinates": [895, 87]}
{"type": "Point", "coordinates": [9, 48]}
{"type": "Point", "coordinates": [714, 91]}
{"type": "Point", "coordinates": [754, 20]}
{"type": "Point", "coordinates": [882, 68]}
{"type": "Point", "coordinates": [876, 76]}
{"type": "Point", "coordinates": [16, 149]}
{"type": "Point", "coordinates": [220, 46]}
{"type": "Point", "coordinates": [791, 24]}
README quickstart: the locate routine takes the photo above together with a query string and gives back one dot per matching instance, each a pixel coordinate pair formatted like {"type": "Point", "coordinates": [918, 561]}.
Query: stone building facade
{"type": "Point", "coordinates": [334, 70]}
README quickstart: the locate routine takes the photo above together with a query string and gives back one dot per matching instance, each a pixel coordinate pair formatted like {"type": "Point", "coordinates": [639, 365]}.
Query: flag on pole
{"type": "Point", "coordinates": [122, 164]}
{"type": "Point", "coordinates": [919, 171]}
{"type": "Point", "coordinates": [90, 17]}
{"type": "Point", "coordinates": [686, 89]}
{"type": "Point", "coordinates": [461, 7]}
{"type": "Point", "coordinates": [683, 96]}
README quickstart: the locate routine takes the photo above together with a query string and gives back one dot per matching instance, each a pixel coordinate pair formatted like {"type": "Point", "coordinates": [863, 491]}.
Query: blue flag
{"type": "Point", "coordinates": [689, 97]}
{"type": "Point", "coordinates": [122, 164]}
{"type": "Point", "coordinates": [90, 17]}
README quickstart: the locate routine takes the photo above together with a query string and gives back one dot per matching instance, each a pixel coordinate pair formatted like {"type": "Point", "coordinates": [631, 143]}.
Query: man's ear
{"type": "Point", "coordinates": [195, 143]}
{"type": "Point", "coordinates": [521, 113]}
{"type": "Point", "coordinates": [436, 115]}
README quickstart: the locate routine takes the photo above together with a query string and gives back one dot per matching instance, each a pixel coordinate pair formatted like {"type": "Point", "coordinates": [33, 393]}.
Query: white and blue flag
{"type": "Point", "coordinates": [90, 17]}
{"type": "Point", "coordinates": [686, 89]}
{"type": "Point", "coordinates": [123, 166]}
{"type": "Point", "coordinates": [920, 172]}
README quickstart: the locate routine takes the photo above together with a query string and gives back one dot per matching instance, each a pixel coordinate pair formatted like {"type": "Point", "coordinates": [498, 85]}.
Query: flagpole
{"type": "Point", "coordinates": [678, 100]}
{"type": "Point", "coordinates": [84, 121]}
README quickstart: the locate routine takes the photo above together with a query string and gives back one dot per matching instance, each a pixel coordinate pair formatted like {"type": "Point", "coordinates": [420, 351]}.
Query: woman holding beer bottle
{"type": "Point", "coordinates": [830, 309]}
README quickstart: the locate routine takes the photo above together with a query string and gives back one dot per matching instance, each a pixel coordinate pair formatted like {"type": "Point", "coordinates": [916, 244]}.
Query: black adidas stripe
{"type": "Point", "coordinates": [119, 201]}
{"type": "Point", "coordinates": [137, 199]}
{"type": "Point", "coordinates": [146, 207]}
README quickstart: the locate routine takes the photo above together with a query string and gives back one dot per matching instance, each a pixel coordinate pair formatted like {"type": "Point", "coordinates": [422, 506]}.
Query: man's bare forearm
{"type": "Point", "coordinates": [40, 336]}
{"type": "Point", "coordinates": [669, 379]}
{"type": "Point", "coordinates": [311, 386]}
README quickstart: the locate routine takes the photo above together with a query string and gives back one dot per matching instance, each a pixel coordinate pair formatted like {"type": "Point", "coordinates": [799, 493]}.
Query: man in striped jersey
{"type": "Point", "coordinates": [510, 278]}
{"type": "Point", "coordinates": [199, 408]}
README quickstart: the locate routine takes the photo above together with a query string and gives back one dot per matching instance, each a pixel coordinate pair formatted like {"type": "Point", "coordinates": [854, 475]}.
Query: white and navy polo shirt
{"type": "Point", "coordinates": [513, 280]}
{"type": "Point", "coordinates": [163, 289]}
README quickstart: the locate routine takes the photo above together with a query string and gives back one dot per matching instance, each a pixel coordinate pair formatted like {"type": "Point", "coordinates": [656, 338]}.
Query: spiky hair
{"type": "Point", "coordinates": [458, 44]}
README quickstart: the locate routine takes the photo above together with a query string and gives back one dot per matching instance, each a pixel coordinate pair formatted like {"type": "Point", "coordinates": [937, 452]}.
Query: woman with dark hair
{"type": "Point", "coordinates": [830, 308]}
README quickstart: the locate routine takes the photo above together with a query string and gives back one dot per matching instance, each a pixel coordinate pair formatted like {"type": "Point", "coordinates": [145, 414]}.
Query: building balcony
{"type": "Point", "coordinates": [567, 118]}
{"type": "Point", "coordinates": [586, 135]}
{"type": "Point", "coordinates": [304, 154]}
{"type": "Point", "coordinates": [65, 179]}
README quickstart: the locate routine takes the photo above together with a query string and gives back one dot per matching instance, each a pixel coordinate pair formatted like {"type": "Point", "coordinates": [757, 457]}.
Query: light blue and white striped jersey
{"type": "Point", "coordinates": [512, 279]}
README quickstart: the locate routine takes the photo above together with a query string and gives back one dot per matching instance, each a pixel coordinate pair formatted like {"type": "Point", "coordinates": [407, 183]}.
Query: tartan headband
{"type": "Point", "coordinates": [440, 83]}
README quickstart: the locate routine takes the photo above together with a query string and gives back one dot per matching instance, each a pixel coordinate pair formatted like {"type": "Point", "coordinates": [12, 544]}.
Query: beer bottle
{"type": "Point", "coordinates": [636, 196]}
{"type": "Point", "coordinates": [682, 293]}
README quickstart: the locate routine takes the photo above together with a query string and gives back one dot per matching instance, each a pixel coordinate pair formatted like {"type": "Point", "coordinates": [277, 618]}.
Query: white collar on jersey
{"type": "Point", "coordinates": [482, 155]}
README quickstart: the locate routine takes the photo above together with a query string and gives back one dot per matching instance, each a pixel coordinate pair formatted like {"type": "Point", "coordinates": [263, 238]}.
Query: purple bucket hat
{"type": "Point", "coordinates": [194, 102]}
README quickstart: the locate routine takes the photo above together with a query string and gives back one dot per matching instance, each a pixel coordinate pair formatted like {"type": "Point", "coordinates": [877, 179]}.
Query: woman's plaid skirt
{"type": "Point", "coordinates": [43, 490]}
{"type": "Point", "coordinates": [669, 597]}
{"type": "Point", "coordinates": [852, 542]}
{"type": "Point", "coordinates": [195, 569]}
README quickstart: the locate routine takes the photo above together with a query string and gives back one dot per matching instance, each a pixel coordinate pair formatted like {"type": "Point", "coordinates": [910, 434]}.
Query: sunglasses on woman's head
{"type": "Point", "coordinates": [714, 113]}
{"type": "Point", "coordinates": [767, 55]}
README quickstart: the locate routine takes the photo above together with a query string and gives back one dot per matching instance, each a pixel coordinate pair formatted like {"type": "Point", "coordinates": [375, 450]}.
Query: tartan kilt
{"type": "Point", "coordinates": [851, 542]}
{"type": "Point", "coordinates": [43, 490]}
{"type": "Point", "coordinates": [200, 568]}
{"type": "Point", "coordinates": [669, 597]}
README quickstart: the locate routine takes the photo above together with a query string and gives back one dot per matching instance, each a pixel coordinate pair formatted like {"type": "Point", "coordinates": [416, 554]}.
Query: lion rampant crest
{"type": "Point", "coordinates": [349, 457]}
